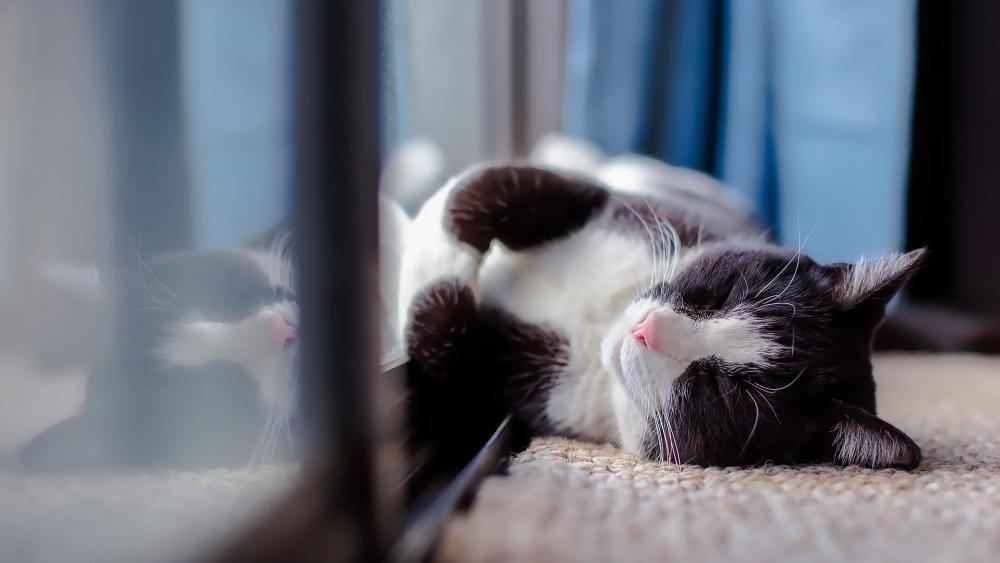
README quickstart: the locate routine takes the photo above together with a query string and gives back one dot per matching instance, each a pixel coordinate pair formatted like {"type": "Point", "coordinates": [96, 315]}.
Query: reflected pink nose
{"type": "Point", "coordinates": [284, 333]}
{"type": "Point", "coordinates": [646, 332]}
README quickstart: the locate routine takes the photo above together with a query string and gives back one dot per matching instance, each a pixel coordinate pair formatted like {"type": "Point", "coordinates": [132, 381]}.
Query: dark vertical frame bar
{"type": "Point", "coordinates": [336, 176]}
{"type": "Point", "coordinates": [520, 109]}
{"type": "Point", "coordinates": [141, 47]}
{"type": "Point", "coordinates": [151, 193]}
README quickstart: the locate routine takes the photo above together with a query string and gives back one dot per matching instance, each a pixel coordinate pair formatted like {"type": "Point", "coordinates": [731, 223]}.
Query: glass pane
{"type": "Point", "coordinates": [148, 312]}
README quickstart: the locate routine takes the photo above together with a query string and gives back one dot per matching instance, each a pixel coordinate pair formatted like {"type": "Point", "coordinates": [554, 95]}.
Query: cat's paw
{"type": "Point", "coordinates": [444, 317]}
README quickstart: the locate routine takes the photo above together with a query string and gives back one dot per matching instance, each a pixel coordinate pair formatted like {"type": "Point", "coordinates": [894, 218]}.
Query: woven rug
{"type": "Point", "coordinates": [573, 501]}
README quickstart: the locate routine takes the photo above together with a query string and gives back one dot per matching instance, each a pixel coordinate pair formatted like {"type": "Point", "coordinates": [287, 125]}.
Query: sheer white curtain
{"type": "Point", "coordinates": [54, 195]}
{"type": "Point", "coordinates": [467, 78]}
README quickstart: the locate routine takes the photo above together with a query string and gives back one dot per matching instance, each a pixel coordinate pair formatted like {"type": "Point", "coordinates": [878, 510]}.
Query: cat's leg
{"type": "Point", "coordinates": [520, 206]}
{"type": "Point", "coordinates": [473, 363]}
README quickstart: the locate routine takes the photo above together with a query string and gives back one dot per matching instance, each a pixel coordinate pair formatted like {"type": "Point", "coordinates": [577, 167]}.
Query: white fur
{"type": "Point", "coordinates": [581, 287]}
{"type": "Point", "coordinates": [647, 377]}
{"type": "Point", "coordinates": [577, 286]}
{"type": "Point", "coordinates": [394, 228]}
{"type": "Point", "coordinates": [855, 444]}
{"type": "Point", "coordinates": [249, 342]}
{"type": "Point", "coordinates": [433, 253]}
{"type": "Point", "coordinates": [869, 275]}
{"type": "Point", "coordinates": [734, 338]}
{"type": "Point", "coordinates": [524, 283]}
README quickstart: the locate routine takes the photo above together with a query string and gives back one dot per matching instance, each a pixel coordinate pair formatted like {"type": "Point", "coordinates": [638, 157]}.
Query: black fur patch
{"type": "Point", "coordinates": [483, 358]}
{"type": "Point", "coordinates": [444, 330]}
{"type": "Point", "coordinates": [521, 206]}
{"type": "Point", "coordinates": [470, 367]}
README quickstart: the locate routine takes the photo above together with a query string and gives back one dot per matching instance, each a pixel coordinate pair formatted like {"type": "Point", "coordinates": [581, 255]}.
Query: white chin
{"type": "Point", "coordinates": [611, 354]}
{"type": "Point", "coordinates": [630, 420]}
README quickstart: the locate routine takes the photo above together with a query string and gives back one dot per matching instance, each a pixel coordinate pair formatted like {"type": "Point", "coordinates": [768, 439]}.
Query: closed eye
{"type": "Point", "coordinates": [705, 300]}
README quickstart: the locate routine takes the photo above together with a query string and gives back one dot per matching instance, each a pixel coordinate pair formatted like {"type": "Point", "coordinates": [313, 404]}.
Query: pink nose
{"type": "Point", "coordinates": [646, 332]}
{"type": "Point", "coordinates": [284, 333]}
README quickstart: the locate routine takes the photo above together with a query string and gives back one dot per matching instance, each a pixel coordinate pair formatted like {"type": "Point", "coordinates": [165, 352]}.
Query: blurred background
{"type": "Point", "coordinates": [853, 127]}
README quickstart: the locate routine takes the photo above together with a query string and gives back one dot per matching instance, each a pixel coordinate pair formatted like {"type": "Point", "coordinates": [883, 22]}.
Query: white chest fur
{"type": "Point", "coordinates": [578, 287]}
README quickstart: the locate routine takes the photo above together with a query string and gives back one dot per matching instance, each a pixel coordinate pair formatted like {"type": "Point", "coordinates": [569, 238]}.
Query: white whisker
{"type": "Point", "coordinates": [783, 387]}
{"type": "Point", "coordinates": [756, 419]}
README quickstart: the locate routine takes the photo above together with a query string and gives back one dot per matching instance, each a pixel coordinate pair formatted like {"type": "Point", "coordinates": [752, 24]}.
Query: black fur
{"type": "Point", "coordinates": [732, 414]}
{"type": "Point", "coordinates": [469, 367]}
{"type": "Point", "coordinates": [482, 357]}
{"type": "Point", "coordinates": [787, 412]}
{"type": "Point", "coordinates": [521, 207]}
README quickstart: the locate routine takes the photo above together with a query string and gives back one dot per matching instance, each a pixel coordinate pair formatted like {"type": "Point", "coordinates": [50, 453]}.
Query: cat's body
{"type": "Point", "coordinates": [671, 329]}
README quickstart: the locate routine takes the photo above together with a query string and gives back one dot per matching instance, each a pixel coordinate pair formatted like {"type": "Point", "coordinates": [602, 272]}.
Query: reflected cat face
{"type": "Point", "coordinates": [193, 309]}
{"type": "Point", "coordinates": [201, 368]}
{"type": "Point", "coordinates": [757, 354]}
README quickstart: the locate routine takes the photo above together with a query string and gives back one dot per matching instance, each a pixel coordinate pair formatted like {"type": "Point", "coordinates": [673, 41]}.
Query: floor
{"type": "Point", "coordinates": [109, 517]}
{"type": "Point", "coordinates": [571, 501]}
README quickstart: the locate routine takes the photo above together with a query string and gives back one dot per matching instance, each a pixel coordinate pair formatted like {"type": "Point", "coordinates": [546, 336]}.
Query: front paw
{"type": "Point", "coordinates": [442, 327]}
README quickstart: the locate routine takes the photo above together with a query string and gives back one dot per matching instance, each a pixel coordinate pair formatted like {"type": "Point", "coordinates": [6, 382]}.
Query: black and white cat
{"type": "Point", "coordinates": [666, 325]}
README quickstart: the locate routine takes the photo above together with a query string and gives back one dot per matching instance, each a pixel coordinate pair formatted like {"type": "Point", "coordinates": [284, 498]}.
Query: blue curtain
{"type": "Point", "coordinates": [801, 105]}
{"type": "Point", "coordinates": [236, 62]}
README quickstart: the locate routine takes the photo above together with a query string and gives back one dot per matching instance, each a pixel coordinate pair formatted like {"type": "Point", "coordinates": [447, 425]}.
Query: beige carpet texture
{"type": "Point", "coordinates": [573, 501]}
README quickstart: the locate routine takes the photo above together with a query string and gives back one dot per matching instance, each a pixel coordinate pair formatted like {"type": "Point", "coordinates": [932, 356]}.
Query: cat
{"type": "Point", "coordinates": [668, 326]}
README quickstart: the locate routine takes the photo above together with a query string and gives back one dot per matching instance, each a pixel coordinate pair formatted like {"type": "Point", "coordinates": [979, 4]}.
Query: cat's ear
{"type": "Point", "coordinates": [869, 285]}
{"type": "Point", "coordinates": [853, 436]}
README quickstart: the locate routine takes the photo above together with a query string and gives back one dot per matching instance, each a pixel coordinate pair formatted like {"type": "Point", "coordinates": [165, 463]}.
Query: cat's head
{"type": "Point", "coordinates": [183, 314]}
{"type": "Point", "coordinates": [199, 308]}
{"type": "Point", "coordinates": [755, 354]}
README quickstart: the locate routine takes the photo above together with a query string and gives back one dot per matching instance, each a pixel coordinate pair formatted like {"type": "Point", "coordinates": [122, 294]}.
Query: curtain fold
{"type": "Point", "coordinates": [801, 105]}
{"type": "Point", "coordinates": [236, 83]}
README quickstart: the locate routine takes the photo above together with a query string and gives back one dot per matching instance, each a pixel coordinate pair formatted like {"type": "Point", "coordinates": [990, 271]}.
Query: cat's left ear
{"type": "Point", "coordinates": [869, 285]}
{"type": "Point", "coordinates": [853, 436]}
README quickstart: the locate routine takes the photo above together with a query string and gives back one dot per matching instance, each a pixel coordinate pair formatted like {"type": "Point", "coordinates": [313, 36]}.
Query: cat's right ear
{"type": "Point", "coordinates": [867, 286]}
